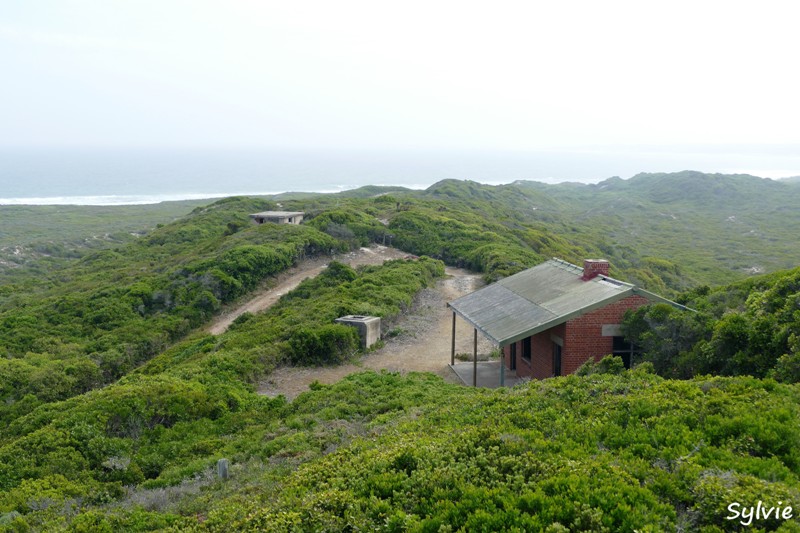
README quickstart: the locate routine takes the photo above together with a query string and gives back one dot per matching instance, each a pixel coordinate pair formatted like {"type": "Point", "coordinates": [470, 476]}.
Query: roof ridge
{"type": "Point", "coordinates": [614, 281]}
{"type": "Point", "coordinates": [566, 265]}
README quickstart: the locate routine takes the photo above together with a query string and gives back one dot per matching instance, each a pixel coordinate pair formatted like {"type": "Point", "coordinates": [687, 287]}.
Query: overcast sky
{"type": "Point", "coordinates": [398, 75]}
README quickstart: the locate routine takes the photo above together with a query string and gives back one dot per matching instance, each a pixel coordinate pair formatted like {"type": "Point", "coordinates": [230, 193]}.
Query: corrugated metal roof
{"type": "Point", "coordinates": [536, 299]}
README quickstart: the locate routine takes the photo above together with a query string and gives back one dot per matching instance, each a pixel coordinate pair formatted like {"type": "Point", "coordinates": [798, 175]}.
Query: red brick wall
{"type": "Point", "coordinates": [524, 368]}
{"type": "Point", "coordinates": [541, 355]}
{"type": "Point", "coordinates": [584, 340]}
{"type": "Point", "coordinates": [541, 364]}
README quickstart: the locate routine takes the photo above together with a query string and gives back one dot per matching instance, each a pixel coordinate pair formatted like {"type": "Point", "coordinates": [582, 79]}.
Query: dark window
{"type": "Point", "coordinates": [624, 349]}
{"type": "Point", "coordinates": [526, 349]}
{"type": "Point", "coordinates": [556, 359]}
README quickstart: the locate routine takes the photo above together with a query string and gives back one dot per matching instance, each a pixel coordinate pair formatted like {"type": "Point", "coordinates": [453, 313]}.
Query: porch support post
{"type": "Point", "coordinates": [453, 342]}
{"type": "Point", "coordinates": [502, 366]}
{"type": "Point", "coordinates": [475, 359]}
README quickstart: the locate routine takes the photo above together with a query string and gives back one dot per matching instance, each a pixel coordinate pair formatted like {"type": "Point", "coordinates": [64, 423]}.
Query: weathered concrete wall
{"type": "Point", "coordinates": [277, 219]}
{"type": "Point", "coordinates": [369, 328]}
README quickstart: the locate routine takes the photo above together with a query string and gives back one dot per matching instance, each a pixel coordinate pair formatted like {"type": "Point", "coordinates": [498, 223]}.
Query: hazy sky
{"type": "Point", "coordinates": [408, 75]}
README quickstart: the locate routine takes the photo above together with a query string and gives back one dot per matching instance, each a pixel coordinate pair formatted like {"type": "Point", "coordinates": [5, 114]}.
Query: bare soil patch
{"type": "Point", "coordinates": [418, 340]}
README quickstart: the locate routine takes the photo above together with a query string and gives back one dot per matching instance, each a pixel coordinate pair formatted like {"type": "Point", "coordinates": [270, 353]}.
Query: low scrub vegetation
{"type": "Point", "coordinates": [116, 406]}
{"type": "Point", "coordinates": [748, 328]}
{"type": "Point", "coordinates": [171, 419]}
{"type": "Point", "coordinates": [619, 451]}
{"type": "Point", "coordinates": [115, 309]}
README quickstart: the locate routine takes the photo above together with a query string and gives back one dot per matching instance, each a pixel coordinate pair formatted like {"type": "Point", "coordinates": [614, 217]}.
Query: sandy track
{"type": "Point", "coordinates": [423, 343]}
{"type": "Point", "coordinates": [286, 281]}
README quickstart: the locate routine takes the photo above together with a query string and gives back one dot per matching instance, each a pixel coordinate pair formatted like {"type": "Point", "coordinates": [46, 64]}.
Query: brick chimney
{"type": "Point", "coordinates": [593, 268]}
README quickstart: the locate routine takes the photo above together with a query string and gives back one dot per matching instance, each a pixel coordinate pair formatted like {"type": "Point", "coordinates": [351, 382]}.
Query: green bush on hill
{"type": "Point", "coordinates": [353, 226]}
{"type": "Point", "coordinates": [170, 419]}
{"type": "Point", "coordinates": [115, 309]}
{"type": "Point", "coordinates": [605, 452]}
{"type": "Point", "coordinates": [116, 408]}
{"type": "Point", "coordinates": [749, 328]}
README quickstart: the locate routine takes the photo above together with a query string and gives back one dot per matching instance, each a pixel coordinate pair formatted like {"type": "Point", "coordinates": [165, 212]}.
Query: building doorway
{"type": "Point", "coordinates": [556, 359]}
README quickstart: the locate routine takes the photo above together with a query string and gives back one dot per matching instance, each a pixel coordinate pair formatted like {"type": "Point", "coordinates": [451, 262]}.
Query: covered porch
{"type": "Point", "coordinates": [486, 374]}
{"type": "Point", "coordinates": [489, 374]}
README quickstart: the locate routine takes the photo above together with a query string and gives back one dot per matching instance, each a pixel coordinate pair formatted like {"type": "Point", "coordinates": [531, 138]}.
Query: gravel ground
{"type": "Point", "coordinates": [421, 341]}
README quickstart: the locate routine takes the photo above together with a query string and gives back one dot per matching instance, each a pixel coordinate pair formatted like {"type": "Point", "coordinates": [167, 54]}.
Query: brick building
{"type": "Point", "coordinates": [550, 319]}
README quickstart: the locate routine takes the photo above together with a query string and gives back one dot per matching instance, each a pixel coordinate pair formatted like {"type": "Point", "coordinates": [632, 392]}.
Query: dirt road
{"type": "Point", "coordinates": [420, 339]}
{"type": "Point", "coordinates": [421, 343]}
{"type": "Point", "coordinates": [285, 282]}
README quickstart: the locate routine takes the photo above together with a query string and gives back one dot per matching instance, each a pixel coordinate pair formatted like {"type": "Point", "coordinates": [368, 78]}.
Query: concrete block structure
{"type": "Point", "coordinates": [278, 217]}
{"type": "Point", "coordinates": [552, 318]}
{"type": "Point", "coordinates": [369, 328]}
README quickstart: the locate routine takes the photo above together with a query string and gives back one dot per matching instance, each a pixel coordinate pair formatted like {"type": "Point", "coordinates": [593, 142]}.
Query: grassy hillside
{"type": "Point", "coordinates": [108, 311]}
{"type": "Point", "coordinates": [627, 452]}
{"type": "Point", "coordinates": [170, 419]}
{"type": "Point", "coordinates": [117, 406]}
{"type": "Point", "coordinates": [668, 232]}
{"type": "Point", "coordinates": [114, 309]}
{"type": "Point", "coordinates": [25, 224]}
{"type": "Point", "coordinates": [717, 228]}
{"type": "Point", "coordinates": [43, 239]}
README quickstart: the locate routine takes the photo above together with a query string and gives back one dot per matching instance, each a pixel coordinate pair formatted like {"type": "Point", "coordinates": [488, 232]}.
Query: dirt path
{"type": "Point", "coordinates": [422, 342]}
{"type": "Point", "coordinates": [285, 282]}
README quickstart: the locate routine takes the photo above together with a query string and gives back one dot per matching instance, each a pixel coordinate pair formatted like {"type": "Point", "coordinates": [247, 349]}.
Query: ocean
{"type": "Point", "coordinates": [140, 176]}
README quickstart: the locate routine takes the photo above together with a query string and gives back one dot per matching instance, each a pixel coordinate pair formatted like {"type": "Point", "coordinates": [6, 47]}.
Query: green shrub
{"type": "Point", "coordinates": [610, 364]}
{"type": "Point", "coordinates": [329, 344]}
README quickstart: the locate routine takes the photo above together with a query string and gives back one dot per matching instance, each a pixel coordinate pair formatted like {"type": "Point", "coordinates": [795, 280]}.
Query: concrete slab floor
{"type": "Point", "coordinates": [488, 374]}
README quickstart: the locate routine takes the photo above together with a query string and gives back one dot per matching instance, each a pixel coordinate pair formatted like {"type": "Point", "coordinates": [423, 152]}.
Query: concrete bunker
{"type": "Point", "coordinates": [278, 217]}
{"type": "Point", "coordinates": [369, 328]}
